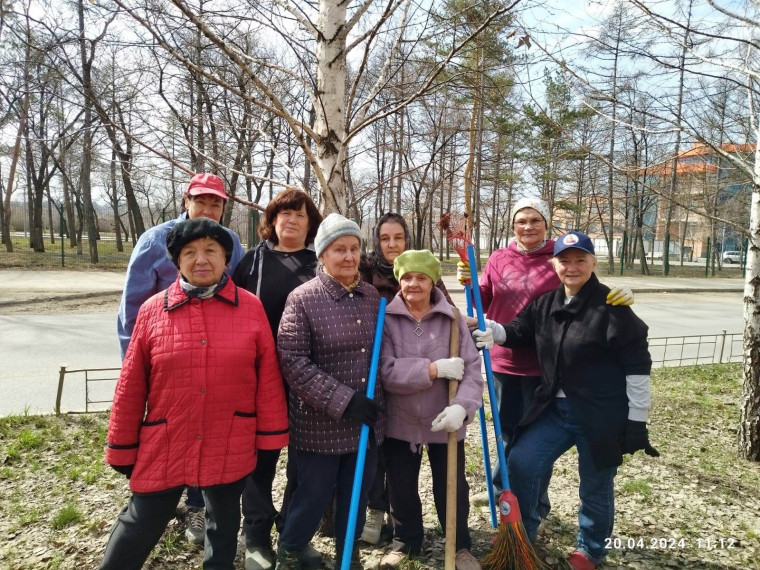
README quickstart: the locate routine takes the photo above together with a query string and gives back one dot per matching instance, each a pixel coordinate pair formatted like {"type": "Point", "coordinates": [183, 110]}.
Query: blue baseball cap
{"type": "Point", "coordinates": [577, 240]}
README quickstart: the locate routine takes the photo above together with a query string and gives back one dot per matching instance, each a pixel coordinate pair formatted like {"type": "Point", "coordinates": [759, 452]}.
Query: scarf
{"type": "Point", "coordinates": [194, 292]}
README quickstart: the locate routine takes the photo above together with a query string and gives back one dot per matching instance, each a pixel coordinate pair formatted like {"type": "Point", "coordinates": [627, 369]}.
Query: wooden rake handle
{"type": "Point", "coordinates": [451, 460]}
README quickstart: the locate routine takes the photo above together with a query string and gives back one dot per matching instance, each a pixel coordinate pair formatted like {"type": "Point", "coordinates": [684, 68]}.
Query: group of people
{"type": "Point", "coordinates": [229, 357]}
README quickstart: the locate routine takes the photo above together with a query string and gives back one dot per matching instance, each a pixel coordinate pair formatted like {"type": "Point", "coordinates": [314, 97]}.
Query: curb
{"type": "Point", "coordinates": [62, 297]}
{"type": "Point", "coordinates": [687, 290]}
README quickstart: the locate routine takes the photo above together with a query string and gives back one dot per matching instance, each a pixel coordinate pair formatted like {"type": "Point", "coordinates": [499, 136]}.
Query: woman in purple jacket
{"type": "Point", "coordinates": [324, 342]}
{"type": "Point", "coordinates": [415, 369]}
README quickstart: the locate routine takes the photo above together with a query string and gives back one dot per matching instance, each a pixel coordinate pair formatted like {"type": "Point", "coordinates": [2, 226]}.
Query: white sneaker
{"type": "Point", "coordinates": [373, 526]}
{"type": "Point", "coordinates": [258, 558]}
{"type": "Point", "coordinates": [195, 521]}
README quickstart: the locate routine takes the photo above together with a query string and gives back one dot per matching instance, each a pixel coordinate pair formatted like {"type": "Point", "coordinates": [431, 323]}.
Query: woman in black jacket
{"type": "Point", "coordinates": [282, 260]}
{"type": "Point", "coordinates": [594, 393]}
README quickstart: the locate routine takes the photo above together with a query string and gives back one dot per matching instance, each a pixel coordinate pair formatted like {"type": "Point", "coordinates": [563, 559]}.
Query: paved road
{"type": "Point", "coordinates": [34, 347]}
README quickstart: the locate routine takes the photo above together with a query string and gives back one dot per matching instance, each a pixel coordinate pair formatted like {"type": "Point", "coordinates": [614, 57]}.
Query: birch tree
{"type": "Point", "coordinates": [322, 38]}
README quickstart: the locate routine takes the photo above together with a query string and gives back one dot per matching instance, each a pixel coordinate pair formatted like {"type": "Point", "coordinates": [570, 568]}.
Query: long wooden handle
{"type": "Point", "coordinates": [450, 551]}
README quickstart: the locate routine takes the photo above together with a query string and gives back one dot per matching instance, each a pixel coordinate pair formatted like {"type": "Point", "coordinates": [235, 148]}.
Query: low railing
{"type": "Point", "coordinates": [95, 389]}
{"type": "Point", "coordinates": [665, 351]}
{"type": "Point", "coordinates": [696, 349]}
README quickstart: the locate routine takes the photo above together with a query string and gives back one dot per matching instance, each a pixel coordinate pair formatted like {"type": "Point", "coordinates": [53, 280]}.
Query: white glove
{"type": "Point", "coordinates": [451, 368]}
{"type": "Point", "coordinates": [450, 419]}
{"type": "Point", "coordinates": [494, 334]}
{"type": "Point", "coordinates": [620, 296]}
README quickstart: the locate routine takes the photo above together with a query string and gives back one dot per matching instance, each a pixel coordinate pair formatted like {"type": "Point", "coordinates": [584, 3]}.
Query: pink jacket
{"type": "Point", "coordinates": [412, 399]}
{"type": "Point", "coordinates": [200, 391]}
{"type": "Point", "coordinates": [510, 281]}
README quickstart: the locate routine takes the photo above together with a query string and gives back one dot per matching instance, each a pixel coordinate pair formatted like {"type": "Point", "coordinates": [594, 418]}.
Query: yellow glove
{"type": "Point", "coordinates": [620, 296]}
{"type": "Point", "coordinates": [463, 273]}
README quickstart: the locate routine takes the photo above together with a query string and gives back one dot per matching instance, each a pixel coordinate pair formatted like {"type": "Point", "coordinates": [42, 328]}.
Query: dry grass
{"type": "Point", "coordinates": [693, 508]}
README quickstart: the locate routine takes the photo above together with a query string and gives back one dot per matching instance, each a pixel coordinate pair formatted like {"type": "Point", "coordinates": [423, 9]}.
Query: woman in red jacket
{"type": "Point", "coordinates": [200, 392]}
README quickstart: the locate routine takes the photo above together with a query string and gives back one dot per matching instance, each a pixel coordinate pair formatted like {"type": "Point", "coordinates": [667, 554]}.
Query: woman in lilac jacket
{"type": "Point", "coordinates": [415, 369]}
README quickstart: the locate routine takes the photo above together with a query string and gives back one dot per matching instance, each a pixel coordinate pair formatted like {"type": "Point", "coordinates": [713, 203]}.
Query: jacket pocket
{"type": "Point", "coordinates": [153, 452]}
{"type": "Point", "coordinates": [241, 441]}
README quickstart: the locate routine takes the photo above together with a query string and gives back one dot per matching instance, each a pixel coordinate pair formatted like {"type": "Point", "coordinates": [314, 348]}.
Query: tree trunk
{"type": "Point", "coordinates": [330, 126]}
{"type": "Point", "coordinates": [12, 174]}
{"type": "Point", "coordinates": [749, 424]}
{"type": "Point", "coordinates": [674, 173]}
{"type": "Point", "coordinates": [115, 203]}
{"type": "Point", "coordinates": [89, 210]}
{"type": "Point", "coordinates": [610, 167]}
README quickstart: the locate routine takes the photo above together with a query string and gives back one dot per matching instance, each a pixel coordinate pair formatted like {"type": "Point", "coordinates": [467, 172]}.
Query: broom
{"type": "Point", "coordinates": [450, 551]}
{"type": "Point", "coordinates": [512, 549]}
{"type": "Point", "coordinates": [460, 238]}
{"type": "Point", "coordinates": [353, 509]}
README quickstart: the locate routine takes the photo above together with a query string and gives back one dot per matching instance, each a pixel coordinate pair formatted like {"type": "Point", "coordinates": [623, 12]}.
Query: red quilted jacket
{"type": "Point", "coordinates": [200, 392]}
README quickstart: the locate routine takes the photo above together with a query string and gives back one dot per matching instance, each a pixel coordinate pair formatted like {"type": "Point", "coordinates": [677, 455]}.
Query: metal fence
{"type": "Point", "coordinates": [696, 349]}
{"type": "Point", "coordinates": [62, 253]}
{"type": "Point", "coordinates": [97, 384]}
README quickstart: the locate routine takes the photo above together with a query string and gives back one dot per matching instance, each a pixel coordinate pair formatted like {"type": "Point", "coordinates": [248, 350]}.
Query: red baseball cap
{"type": "Point", "coordinates": [206, 183]}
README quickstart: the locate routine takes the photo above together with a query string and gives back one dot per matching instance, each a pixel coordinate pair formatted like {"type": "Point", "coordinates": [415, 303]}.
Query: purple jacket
{"type": "Point", "coordinates": [325, 347]}
{"type": "Point", "coordinates": [413, 400]}
{"type": "Point", "coordinates": [510, 281]}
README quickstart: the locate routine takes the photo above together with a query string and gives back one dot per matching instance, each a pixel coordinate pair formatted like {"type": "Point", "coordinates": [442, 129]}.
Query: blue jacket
{"type": "Point", "coordinates": [151, 270]}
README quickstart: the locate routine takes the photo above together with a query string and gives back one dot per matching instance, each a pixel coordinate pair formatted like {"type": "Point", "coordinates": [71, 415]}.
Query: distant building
{"type": "Point", "coordinates": [705, 181]}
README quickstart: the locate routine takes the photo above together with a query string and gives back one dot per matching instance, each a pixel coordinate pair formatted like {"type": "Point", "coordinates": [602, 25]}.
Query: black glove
{"type": "Point", "coordinates": [636, 437]}
{"type": "Point", "coordinates": [125, 470]}
{"type": "Point", "coordinates": [363, 410]}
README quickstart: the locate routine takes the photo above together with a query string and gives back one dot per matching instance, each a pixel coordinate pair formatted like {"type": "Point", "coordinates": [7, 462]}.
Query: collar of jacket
{"type": "Point", "coordinates": [335, 289]}
{"type": "Point", "coordinates": [566, 312]}
{"type": "Point", "coordinates": [175, 297]}
{"type": "Point", "coordinates": [440, 305]}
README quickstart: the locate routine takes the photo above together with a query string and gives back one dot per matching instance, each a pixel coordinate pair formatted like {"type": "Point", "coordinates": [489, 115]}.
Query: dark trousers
{"type": "Point", "coordinates": [319, 475]}
{"type": "Point", "coordinates": [259, 512]}
{"type": "Point", "coordinates": [514, 395]}
{"type": "Point", "coordinates": [194, 498]}
{"type": "Point", "coordinates": [403, 474]}
{"type": "Point", "coordinates": [141, 523]}
{"type": "Point", "coordinates": [378, 494]}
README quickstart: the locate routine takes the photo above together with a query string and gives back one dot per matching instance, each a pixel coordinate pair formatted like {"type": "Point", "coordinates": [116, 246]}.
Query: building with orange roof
{"type": "Point", "coordinates": [707, 182]}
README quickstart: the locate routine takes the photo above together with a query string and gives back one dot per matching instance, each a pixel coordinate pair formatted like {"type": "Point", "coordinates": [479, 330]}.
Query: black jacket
{"type": "Point", "coordinates": [586, 348]}
{"type": "Point", "coordinates": [271, 275]}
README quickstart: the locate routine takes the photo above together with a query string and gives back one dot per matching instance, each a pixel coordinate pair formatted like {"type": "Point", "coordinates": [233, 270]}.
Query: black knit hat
{"type": "Point", "coordinates": [188, 230]}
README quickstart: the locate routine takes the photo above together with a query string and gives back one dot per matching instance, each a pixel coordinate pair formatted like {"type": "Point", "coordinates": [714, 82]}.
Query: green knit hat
{"type": "Point", "coordinates": [420, 260]}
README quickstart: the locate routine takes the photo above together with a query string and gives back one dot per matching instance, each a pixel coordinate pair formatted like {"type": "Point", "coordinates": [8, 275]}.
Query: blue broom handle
{"type": "Point", "coordinates": [483, 432]}
{"type": "Point", "coordinates": [489, 370]}
{"type": "Point", "coordinates": [348, 544]}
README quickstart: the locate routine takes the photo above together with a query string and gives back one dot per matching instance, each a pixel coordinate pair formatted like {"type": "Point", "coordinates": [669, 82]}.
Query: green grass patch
{"type": "Point", "coordinates": [109, 258]}
{"type": "Point", "coordinates": [67, 516]}
{"type": "Point", "coordinates": [639, 486]}
{"type": "Point", "coordinates": [29, 439]}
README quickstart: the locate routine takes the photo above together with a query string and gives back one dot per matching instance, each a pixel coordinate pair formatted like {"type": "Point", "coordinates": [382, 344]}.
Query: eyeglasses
{"type": "Point", "coordinates": [527, 223]}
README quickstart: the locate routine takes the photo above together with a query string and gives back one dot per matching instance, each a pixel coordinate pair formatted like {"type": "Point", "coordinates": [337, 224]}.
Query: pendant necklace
{"type": "Point", "coordinates": [418, 330]}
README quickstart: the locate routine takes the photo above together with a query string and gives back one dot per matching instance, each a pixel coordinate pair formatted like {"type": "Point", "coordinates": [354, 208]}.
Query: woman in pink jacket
{"type": "Point", "coordinates": [199, 393]}
{"type": "Point", "coordinates": [513, 277]}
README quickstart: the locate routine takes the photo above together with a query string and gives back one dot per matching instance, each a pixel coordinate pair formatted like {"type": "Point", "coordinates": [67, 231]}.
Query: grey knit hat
{"type": "Point", "coordinates": [333, 227]}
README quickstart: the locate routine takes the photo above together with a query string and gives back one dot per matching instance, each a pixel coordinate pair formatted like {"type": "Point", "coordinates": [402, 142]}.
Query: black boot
{"type": "Point", "coordinates": [288, 559]}
{"type": "Point", "coordinates": [356, 562]}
